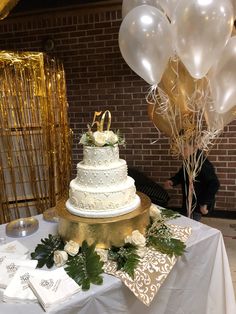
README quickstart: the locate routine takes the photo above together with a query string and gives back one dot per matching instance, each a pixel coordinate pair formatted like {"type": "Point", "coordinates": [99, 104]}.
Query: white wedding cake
{"type": "Point", "coordinates": [102, 187]}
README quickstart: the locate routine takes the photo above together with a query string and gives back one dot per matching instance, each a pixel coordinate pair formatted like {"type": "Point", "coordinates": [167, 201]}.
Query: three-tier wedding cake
{"type": "Point", "coordinates": [102, 187]}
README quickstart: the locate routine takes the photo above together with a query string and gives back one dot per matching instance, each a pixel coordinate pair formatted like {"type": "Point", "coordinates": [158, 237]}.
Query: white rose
{"type": "Point", "coordinates": [155, 212]}
{"type": "Point", "coordinates": [99, 138]}
{"type": "Point", "coordinates": [141, 251]}
{"type": "Point", "coordinates": [72, 248]}
{"type": "Point", "coordinates": [128, 239]}
{"type": "Point", "coordinates": [60, 258]}
{"type": "Point", "coordinates": [136, 238]}
{"type": "Point", "coordinates": [103, 254]}
{"type": "Point", "coordinates": [83, 139]}
{"type": "Point", "coordinates": [112, 138]}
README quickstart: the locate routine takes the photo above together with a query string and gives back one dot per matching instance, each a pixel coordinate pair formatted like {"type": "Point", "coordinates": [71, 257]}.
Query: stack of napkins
{"type": "Point", "coordinates": [9, 266]}
{"type": "Point", "coordinates": [52, 287]}
{"type": "Point", "coordinates": [11, 255]}
{"type": "Point", "coordinates": [14, 247]}
{"type": "Point", "coordinates": [18, 290]}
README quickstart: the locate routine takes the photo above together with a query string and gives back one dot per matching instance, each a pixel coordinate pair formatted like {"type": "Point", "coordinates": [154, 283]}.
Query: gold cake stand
{"type": "Point", "coordinates": [105, 232]}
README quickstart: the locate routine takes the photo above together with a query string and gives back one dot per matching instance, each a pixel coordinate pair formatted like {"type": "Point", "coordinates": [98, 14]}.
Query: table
{"type": "Point", "coordinates": [200, 282]}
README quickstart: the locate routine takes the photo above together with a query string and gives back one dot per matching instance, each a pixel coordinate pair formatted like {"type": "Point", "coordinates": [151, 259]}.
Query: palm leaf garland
{"type": "Point", "coordinates": [169, 214]}
{"type": "Point", "coordinates": [126, 258]}
{"type": "Point", "coordinates": [169, 246]}
{"type": "Point", "coordinates": [44, 252]}
{"type": "Point", "coordinates": [86, 267]}
{"type": "Point", "coordinates": [159, 236]}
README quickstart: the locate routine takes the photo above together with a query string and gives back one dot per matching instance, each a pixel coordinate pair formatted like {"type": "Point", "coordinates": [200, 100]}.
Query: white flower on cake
{"type": "Point", "coordinates": [100, 138]}
{"type": "Point", "coordinates": [155, 212]}
{"type": "Point", "coordinates": [111, 137]}
{"type": "Point", "coordinates": [60, 258]}
{"type": "Point", "coordinates": [72, 248]}
{"type": "Point", "coordinates": [136, 238]}
{"type": "Point", "coordinates": [83, 139]}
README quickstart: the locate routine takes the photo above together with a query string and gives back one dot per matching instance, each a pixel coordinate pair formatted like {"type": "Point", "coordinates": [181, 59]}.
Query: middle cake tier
{"type": "Point", "coordinates": [101, 176]}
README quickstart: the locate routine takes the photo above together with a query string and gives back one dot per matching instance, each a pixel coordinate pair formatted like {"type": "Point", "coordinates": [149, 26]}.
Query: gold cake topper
{"type": "Point", "coordinates": [100, 124]}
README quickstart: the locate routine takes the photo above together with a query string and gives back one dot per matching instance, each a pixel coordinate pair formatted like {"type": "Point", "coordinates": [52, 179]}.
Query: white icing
{"type": "Point", "coordinates": [98, 156]}
{"type": "Point", "coordinates": [102, 198]}
{"type": "Point", "coordinates": [92, 176]}
{"type": "Point", "coordinates": [102, 187]}
{"type": "Point", "coordinates": [111, 212]}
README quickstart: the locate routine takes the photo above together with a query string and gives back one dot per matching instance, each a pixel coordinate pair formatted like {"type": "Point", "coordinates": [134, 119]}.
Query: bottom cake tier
{"type": "Point", "coordinates": [105, 232]}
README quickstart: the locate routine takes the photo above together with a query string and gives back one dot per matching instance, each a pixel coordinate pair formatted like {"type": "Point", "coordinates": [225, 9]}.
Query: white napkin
{"type": "Point", "coordinates": [10, 255]}
{"type": "Point", "coordinates": [9, 267]}
{"type": "Point", "coordinates": [14, 247]}
{"type": "Point", "coordinates": [52, 287]}
{"type": "Point", "coordinates": [18, 289]}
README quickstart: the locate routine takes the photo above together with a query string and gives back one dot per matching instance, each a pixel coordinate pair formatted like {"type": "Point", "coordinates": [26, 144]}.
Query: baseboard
{"type": "Point", "coordinates": [227, 214]}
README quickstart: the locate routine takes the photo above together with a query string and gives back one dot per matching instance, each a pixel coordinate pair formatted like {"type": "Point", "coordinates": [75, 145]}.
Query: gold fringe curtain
{"type": "Point", "coordinates": [34, 134]}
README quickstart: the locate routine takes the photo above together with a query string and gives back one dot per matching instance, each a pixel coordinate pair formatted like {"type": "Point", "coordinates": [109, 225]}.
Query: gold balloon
{"type": "Point", "coordinates": [179, 85]}
{"type": "Point", "coordinates": [180, 89]}
{"type": "Point", "coordinates": [159, 120]}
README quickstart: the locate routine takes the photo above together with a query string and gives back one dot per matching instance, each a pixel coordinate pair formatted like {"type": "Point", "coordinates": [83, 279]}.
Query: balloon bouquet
{"type": "Point", "coordinates": [184, 50]}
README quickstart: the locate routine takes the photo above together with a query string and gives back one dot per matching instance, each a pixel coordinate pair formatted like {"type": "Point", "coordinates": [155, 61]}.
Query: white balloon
{"type": "Point", "coordinates": [129, 5]}
{"type": "Point", "coordinates": [169, 6]}
{"type": "Point", "coordinates": [234, 6]}
{"type": "Point", "coordinates": [201, 29]}
{"type": "Point", "coordinates": [145, 42]}
{"type": "Point", "coordinates": [166, 6]}
{"type": "Point", "coordinates": [223, 79]}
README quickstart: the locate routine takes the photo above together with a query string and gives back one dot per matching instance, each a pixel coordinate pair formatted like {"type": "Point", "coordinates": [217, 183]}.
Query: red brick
{"type": "Point", "coordinates": [98, 79]}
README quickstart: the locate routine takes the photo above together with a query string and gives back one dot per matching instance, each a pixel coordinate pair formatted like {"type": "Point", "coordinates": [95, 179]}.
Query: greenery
{"type": "Point", "coordinates": [160, 237]}
{"type": "Point", "coordinates": [89, 140]}
{"type": "Point", "coordinates": [126, 258]}
{"type": "Point", "coordinates": [86, 267]}
{"type": "Point", "coordinates": [169, 246]}
{"type": "Point", "coordinates": [44, 252]}
{"type": "Point", "coordinates": [169, 214]}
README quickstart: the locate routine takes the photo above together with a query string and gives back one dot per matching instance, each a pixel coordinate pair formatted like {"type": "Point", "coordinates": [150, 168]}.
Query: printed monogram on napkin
{"type": "Point", "coordinates": [9, 266]}
{"type": "Point", "coordinates": [52, 287]}
{"type": "Point", "coordinates": [152, 270]}
{"type": "Point", "coordinates": [18, 289]}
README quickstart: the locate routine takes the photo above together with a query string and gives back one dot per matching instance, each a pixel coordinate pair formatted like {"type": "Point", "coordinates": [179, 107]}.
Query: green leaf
{"type": "Point", "coordinates": [125, 257]}
{"type": "Point", "coordinates": [130, 264]}
{"type": "Point", "coordinates": [169, 246]}
{"type": "Point", "coordinates": [158, 229]}
{"type": "Point", "coordinates": [86, 267]}
{"type": "Point", "coordinates": [169, 214]}
{"type": "Point", "coordinates": [44, 252]}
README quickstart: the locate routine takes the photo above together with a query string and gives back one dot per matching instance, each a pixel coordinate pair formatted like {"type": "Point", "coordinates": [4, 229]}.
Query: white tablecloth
{"type": "Point", "coordinates": [200, 282]}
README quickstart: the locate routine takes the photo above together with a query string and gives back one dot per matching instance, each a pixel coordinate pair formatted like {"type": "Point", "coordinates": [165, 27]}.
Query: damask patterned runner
{"type": "Point", "coordinates": [152, 270]}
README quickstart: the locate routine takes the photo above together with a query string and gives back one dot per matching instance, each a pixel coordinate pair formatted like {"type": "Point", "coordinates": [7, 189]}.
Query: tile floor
{"type": "Point", "coordinates": [228, 229]}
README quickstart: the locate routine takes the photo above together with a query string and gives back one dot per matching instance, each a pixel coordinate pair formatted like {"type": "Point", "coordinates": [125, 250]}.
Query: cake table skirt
{"type": "Point", "coordinates": [105, 232]}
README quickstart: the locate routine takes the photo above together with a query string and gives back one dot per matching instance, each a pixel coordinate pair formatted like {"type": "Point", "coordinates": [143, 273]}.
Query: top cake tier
{"type": "Point", "coordinates": [100, 156]}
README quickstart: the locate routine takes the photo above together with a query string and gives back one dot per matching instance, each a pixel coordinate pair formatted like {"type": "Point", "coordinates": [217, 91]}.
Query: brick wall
{"type": "Point", "coordinates": [86, 40]}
